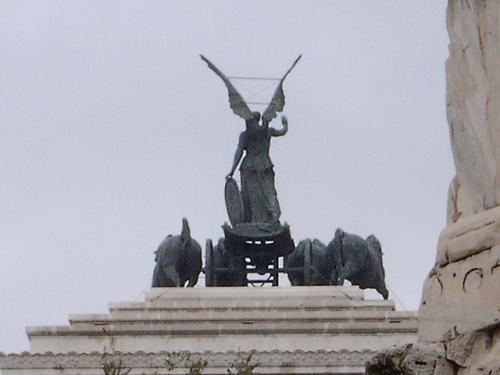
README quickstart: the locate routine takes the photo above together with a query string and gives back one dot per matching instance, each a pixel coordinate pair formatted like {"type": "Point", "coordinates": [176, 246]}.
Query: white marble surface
{"type": "Point", "coordinates": [302, 330]}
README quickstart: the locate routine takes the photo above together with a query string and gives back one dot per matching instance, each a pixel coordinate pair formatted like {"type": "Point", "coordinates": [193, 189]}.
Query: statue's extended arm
{"type": "Point", "coordinates": [237, 157]}
{"type": "Point", "coordinates": [282, 131]}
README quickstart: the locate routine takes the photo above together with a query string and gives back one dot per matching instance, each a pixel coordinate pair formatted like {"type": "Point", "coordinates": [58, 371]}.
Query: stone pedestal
{"type": "Point", "coordinates": [302, 330]}
{"type": "Point", "coordinates": [460, 306]}
{"type": "Point", "coordinates": [459, 316]}
{"type": "Point", "coordinates": [462, 292]}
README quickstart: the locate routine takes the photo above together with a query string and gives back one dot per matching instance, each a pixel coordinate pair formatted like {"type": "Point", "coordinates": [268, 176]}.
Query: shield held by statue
{"type": "Point", "coordinates": [234, 202]}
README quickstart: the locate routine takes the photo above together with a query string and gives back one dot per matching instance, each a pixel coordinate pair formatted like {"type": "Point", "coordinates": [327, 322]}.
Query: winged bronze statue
{"type": "Point", "coordinates": [257, 203]}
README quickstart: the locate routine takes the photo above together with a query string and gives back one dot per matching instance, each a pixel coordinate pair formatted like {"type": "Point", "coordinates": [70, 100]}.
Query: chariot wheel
{"type": "Point", "coordinates": [308, 263]}
{"type": "Point", "coordinates": [209, 264]}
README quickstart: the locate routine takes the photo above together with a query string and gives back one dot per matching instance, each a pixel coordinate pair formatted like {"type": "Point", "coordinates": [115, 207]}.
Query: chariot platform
{"type": "Point", "coordinates": [299, 330]}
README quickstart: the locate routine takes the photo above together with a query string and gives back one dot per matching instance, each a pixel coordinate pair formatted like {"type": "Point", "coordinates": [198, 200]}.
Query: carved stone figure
{"type": "Point", "coordinates": [178, 260]}
{"type": "Point", "coordinates": [223, 259]}
{"type": "Point", "coordinates": [357, 260]}
{"type": "Point", "coordinates": [259, 200]}
{"type": "Point", "coordinates": [321, 266]}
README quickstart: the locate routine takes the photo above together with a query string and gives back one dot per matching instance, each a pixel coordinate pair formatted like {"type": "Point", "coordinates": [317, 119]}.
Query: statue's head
{"type": "Point", "coordinates": [253, 124]}
{"type": "Point", "coordinates": [256, 116]}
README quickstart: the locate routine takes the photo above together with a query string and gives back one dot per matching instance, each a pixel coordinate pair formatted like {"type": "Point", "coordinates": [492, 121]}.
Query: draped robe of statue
{"type": "Point", "coordinates": [260, 200]}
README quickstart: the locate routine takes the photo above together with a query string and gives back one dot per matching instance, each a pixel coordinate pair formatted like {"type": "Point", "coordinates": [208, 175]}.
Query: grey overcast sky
{"type": "Point", "coordinates": [112, 129]}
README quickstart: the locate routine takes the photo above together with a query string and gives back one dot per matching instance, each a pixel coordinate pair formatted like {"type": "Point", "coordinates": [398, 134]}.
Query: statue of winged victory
{"type": "Point", "coordinates": [257, 203]}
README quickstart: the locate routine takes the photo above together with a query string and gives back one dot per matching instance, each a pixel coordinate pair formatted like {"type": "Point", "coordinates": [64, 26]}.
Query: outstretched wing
{"type": "Point", "coordinates": [236, 102]}
{"type": "Point", "coordinates": [278, 100]}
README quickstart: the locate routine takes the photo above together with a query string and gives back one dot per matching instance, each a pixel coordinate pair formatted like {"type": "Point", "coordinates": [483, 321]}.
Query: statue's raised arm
{"type": "Point", "coordinates": [282, 131]}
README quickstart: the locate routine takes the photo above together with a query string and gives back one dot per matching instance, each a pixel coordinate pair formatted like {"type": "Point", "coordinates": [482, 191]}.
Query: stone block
{"type": "Point", "coordinates": [470, 235]}
{"type": "Point", "coordinates": [461, 297]}
{"type": "Point", "coordinates": [461, 293]}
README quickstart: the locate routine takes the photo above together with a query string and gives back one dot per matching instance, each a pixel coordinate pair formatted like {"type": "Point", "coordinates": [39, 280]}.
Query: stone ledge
{"type": "Point", "coordinates": [292, 315]}
{"type": "Point", "coordinates": [235, 298]}
{"type": "Point", "coordinates": [275, 361]}
{"type": "Point", "coordinates": [227, 328]}
{"type": "Point", "coordinates": [200, 343]}
{"type": "Point", "coordinates": [256, 304]}
{"type": "Point", "coordinates": [245, 293]}
{"type": "Point", "coordinates": [469, 236]}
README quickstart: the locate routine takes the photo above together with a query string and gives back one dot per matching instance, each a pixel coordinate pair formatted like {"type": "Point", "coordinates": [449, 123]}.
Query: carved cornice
{"type": "Point", "coordinates": [140, 359]}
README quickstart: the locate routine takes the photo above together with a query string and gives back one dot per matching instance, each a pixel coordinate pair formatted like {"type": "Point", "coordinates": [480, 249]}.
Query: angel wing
{"type": "Point", "coordinates": [236, 101]}
{"type": "Point", "coordinates": [278, 100]}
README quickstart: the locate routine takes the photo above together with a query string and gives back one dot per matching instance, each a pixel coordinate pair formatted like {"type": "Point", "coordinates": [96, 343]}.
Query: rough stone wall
{"type": "Point", "coordinates": [459, 315]}
{"type": "Point", "coordinates": [462, 292]}
{"type": "Point", "coordinates": [473, 105]}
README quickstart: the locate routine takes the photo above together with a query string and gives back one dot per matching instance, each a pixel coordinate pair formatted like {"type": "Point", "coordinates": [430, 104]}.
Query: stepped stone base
{"type": "Point", "coordinates": [299, 330]}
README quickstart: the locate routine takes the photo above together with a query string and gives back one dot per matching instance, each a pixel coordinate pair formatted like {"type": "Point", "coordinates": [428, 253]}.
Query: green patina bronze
{"type": "Point", "coordinates": [259, 207]}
